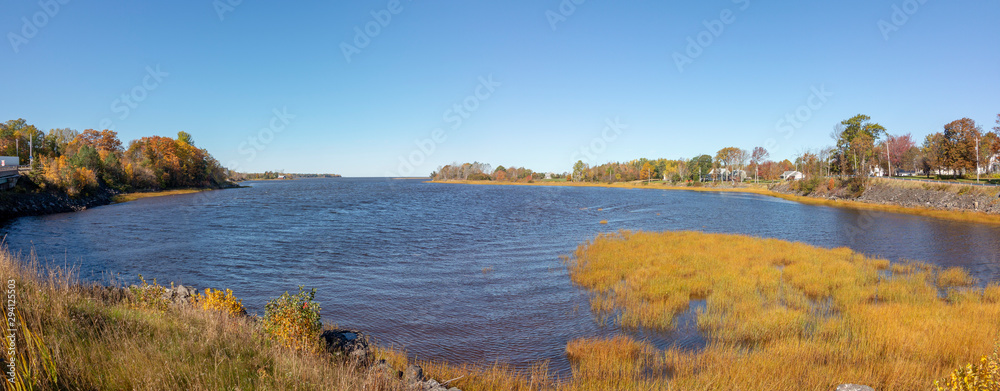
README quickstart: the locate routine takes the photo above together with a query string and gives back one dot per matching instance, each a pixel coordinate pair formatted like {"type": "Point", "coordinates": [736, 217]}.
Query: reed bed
{"type": "Point", "coordinates": [126, 197]}
{"type": "Point", "coordinates": [779, 315]}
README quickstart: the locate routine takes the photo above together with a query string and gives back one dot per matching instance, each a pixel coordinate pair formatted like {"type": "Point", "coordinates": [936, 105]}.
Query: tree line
{"type": "Point", "coordinates": [76, 163]}
{"type": "Point", "coordinates": [861, 148]}
{"type": "Point", "coordinates": [477, 171]}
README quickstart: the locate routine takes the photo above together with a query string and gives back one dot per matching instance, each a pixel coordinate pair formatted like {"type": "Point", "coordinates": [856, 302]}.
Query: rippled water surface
{"type": "Point", "coordinates": [455, 272]}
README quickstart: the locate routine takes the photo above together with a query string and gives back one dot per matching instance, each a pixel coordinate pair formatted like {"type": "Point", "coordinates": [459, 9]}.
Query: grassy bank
{"type": "Point", "coordinates": [779, 315]}
{"type": "Point", "coordinates": [75, 336]}
{"type": "Point", "coordinates": [975, 217]}
{"type": "Point", "coordinates": [126, 197]}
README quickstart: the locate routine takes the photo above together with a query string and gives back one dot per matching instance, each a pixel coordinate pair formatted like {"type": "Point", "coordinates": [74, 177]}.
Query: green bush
{"type": "Point", "coordinates": [294, 320]}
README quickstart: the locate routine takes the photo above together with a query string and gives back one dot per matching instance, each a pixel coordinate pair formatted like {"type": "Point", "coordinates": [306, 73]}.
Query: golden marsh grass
{"type": "Point", "coordinates": [781, 315]}
{"type": "Point", "coordinates": [126, 197]}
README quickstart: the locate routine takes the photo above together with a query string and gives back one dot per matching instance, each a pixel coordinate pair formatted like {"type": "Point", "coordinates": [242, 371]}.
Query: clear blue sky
{"type": "Point", "coordinates": [558, 87]}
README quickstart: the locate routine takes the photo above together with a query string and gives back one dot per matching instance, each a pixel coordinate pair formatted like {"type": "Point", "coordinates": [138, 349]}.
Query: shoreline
{"type": "Point", "coordinates": [954, 215]}
{"type": "Point", "coordinates": [15, 205]}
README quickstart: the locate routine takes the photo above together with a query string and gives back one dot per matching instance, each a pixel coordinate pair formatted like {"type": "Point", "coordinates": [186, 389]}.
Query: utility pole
{"type": "Point", "coordinates": [977, 160]}
{"type": "Point", "coordinates": [887, 157]}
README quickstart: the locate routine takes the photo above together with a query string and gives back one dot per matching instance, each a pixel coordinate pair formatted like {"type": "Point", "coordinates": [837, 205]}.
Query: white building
{"type": "Point", "coordinates": [792, 176]}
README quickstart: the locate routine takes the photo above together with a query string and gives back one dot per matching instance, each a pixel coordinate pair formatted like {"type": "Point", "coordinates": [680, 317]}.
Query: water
{"type": "Point", "coordinates": [450, 272]}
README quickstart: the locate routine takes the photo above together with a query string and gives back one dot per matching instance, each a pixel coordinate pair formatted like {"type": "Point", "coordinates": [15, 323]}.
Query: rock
{"type": "Point", "coordinates": [179, 294]}
{"type": "Point", "coordinates": [182, 290]}
{"type": "Point", "coordinates": [853, 387]}
{"type": "Point", "coordinates": [413, 374]}
{"type": "Point", "coordinates": [349, 343]}
{"type": "Point", "coordinates": [383, 369]}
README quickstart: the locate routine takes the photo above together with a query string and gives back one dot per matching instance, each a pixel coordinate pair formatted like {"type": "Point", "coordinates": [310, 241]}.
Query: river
{"type": "Point", "coordinates": [449, 272]}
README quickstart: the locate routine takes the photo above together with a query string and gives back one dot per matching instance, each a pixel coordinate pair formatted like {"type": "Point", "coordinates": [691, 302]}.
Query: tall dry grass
{"type": "Point", "coordinates": [782, 315]}
{"type": "Point", "coordinates": [81, 337]}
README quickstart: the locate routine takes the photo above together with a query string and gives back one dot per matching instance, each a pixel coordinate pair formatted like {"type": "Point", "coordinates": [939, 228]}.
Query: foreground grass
{"type": "Point", "coordinates": [147, 194]}
{"type": "Point", "coordinates": [79, 337]}
{"type": "Point", "coordinates": [761, 189]}
{"type": "Point", "coordinates": [779, 315]}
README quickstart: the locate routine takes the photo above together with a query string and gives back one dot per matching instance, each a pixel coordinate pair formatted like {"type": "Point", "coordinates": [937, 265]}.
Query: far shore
{"type": "Point", "coordinates": [955, 215]}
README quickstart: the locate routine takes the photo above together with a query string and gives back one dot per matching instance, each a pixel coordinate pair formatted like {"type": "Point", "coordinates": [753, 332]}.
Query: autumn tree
{"type": "Point", "coordinates": [646, 171]}
{"type": "Point", "coordinates": [933, 153]}
{"type": "Point", "coordinates": [698, 166]}
{"type": "Point", "coordinates": [57, 140]}
{"type": "Point", "coordinates": [896, 148]}
{"type": "Point", "coordinates": [960, 138]}
{"type": "Point", "coordinates": [758, 156]}
{"type": "Point", "coordinates": [16, 136]}
{"type": "Point", "coordinates": [856, 143]}
{"type": "Point", "coordinates": [578, 169]}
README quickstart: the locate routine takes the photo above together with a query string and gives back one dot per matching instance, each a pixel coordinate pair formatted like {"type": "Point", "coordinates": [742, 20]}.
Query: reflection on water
{"type": "Point", "coordinates": [448, 271]}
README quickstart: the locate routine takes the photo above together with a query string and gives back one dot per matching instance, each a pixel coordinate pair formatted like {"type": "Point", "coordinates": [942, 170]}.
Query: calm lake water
{"type": "Point", "coordinates": [452, 272]}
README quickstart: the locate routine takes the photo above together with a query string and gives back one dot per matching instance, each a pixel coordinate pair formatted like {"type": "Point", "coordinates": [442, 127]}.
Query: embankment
{"type": "Point", "coordinates": [943, 201]}
{"type": "Point", "coordinates": [13, 205]}
{"type": "Point", "coordinates": [28, 201]}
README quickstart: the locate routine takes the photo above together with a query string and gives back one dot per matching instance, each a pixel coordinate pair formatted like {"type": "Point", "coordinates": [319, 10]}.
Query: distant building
{"type": "Point", "coordinates": [9, 172]}
{"type": "Point", "coordinates": [792, 176]}
{"type": "Point", "coordinates": [548, 175]}
{"type": "Point", "coordinates": [9, 161]}
{"type": "Point", "coordinates": [722, 174]}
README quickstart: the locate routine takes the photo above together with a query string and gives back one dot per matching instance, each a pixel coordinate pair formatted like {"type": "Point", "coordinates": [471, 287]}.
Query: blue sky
{"type": "Point", "coordinates": [556, 81]}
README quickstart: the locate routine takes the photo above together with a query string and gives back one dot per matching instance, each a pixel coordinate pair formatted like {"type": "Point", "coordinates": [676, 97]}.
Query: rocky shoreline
{"type": "Point", "coordinates": [14, 205]}
{"type": "Point", "coordinates": [30, 202]}
{"type": "Point", "coordinates": [916, 195]}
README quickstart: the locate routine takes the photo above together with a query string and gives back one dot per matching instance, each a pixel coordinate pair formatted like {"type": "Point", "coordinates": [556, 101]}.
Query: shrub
{"type": "Point", "coordinates": [984, 376]}
{"type": "Point", "coordinates": [149, 296]}
{"type": "Point", "coordinates": [217, 300]}
{"type": "Point", "coordinates": [855, 186]}
{"type": "Point", "coordinates": [60, 175]}
{"type": "Point", "coordinates": [807, 186]}
{"type": "Point", "coordinates": [294, 320]}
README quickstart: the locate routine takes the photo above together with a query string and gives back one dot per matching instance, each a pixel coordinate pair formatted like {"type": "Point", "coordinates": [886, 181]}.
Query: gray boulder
{"type": "Point", "coordinates": [352, 344]}
{"type": "Point", "coordinates": [381, 368]}
{"type": "Point", "coordinates": [854, 387]}
{"type": "Point", "coordinates": [413, 375]}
